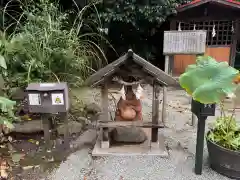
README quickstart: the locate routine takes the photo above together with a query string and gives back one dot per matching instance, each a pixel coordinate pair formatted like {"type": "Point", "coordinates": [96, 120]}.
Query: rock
{"type": "Point", "coordinates": [92, 108]}
{"type": "Point", "coordinates": [28, 126]}
{"type": "Point", "coordinates": [86, 138]}
{"type": "Point", "coordinates": [17, 94]}
{"type": "Point", "coordinates": [73, 126]}
{"type": "Point", "coordinates": [127, 134]}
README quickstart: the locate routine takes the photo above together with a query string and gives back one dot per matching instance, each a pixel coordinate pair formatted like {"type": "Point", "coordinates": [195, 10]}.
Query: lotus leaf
{"type": "Point", "coordinates": [209, 81]}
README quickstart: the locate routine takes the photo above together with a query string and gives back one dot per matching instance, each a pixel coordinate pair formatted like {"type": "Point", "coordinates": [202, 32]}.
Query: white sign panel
{"type": "Point", "coordinates": [47, 84]}
{"type": "Point", "coordinates": [184, 42]}
{"type": "Point", "coordinates": [57, 99]}
{"type": "Point", "coordinates": [34, 99]}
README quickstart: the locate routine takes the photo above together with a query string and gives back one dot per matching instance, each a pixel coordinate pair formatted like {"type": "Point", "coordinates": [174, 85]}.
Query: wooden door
{"type": "Point", "coordinates": [182, 61]}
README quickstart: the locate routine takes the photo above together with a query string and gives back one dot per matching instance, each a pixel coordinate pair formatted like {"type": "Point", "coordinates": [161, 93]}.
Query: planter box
{"type": "Point", "coordinates": [224, 161]}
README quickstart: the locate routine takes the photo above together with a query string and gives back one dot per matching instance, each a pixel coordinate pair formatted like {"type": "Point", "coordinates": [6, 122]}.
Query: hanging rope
{"type": "Point", "coordinates": [213, 31]}
{"type": "Point", "coordinates": [179, 26]}
{"type": "Point", "coordinates": [232, 29]}
{"type": "Point", "coordinates": [194, 27]}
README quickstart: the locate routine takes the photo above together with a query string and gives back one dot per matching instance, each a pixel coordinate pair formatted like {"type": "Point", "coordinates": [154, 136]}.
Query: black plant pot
{"type": "Point", "coordinates": [224, 161]}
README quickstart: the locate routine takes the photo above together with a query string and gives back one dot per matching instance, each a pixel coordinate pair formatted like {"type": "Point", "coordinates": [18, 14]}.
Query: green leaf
{"type": "Point", "coordinates": [208, 81]}
{"type": "Point", "coordinates": [3, 62]}
{"type": "Point", "coordinates": [5, 121]}
{"type": "Point", "coordinates": [6, 104]}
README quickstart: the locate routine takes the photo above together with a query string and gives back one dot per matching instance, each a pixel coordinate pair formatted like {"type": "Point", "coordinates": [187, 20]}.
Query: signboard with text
{"type": "Point", "coordinates": [184, 42]}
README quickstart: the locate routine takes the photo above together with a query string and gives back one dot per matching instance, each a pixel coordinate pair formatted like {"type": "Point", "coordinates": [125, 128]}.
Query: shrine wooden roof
{"type": "Point", "coordinates": [228, 3]}
{"type": "Point", "coordinates": [108, 71]}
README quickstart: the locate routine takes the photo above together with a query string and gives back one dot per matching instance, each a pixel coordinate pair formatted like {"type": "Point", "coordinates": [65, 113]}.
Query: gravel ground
{"type": "Point", "coordinates": [180, 139]}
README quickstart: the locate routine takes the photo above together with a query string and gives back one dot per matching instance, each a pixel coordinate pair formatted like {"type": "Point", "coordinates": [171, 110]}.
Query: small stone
{"type": "Point", "coordinates": [129, 135]}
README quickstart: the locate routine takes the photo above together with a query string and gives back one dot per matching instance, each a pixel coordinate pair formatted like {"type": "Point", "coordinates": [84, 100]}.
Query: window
{"type": "Point", "coordinates": [223, 30]}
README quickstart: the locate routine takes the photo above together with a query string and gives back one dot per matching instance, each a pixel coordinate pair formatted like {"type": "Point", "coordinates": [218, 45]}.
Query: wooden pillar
{"type": "Point", "coordinates": [104, 92]}
{"type": "Point", "coordinates": [173, 26]}
{"type": "Point", "coordinates": [104, 132]}
{"type": "Point", "coordinates": [155, 112]}
{"type": "Point", "coordinates": [171, 65]}
{"type": "Point", "coordinates": [46, 130]}
{"type": "Point", "coordinates": [164, 102]}
{"type": "Point", "coordinates": [66, 130]}
{"type": "Point", "coordinates": [235, 38]}
{"type": "Point", "coordinates": [200, 144]}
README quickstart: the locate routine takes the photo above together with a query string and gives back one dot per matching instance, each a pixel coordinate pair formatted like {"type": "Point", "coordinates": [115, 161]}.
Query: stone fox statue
{"type": "Point", "coordinates": [129, 107]}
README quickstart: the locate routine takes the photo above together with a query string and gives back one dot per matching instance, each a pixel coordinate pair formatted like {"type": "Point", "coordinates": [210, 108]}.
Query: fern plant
{"type": "Point", "coordinates": [210, 82]}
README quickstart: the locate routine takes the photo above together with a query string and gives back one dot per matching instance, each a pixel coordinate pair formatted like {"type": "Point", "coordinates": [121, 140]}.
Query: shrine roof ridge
{"type": "Point", "coordinates": [195, 3]}
{"type": "Point", "coordinates": [160, 76]}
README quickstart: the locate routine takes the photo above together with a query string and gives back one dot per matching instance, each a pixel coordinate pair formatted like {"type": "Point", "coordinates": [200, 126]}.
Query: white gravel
{"type": "Point", "coordinates": [131, 168]}
{"type": "Point", "coordinates": [179, 166]}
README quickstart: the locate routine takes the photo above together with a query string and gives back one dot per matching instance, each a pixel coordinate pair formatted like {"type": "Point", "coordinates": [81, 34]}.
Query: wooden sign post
{"type": "Point", "coordinates": [202, 111]}
{"type": "Point", "coordinates": [192, 43]}
{"type": "Point", "coordinates": [181, 42]}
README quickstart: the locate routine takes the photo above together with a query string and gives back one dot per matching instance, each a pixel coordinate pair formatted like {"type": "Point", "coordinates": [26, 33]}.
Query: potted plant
{"type": "Point", "coordinates": [209, 82]}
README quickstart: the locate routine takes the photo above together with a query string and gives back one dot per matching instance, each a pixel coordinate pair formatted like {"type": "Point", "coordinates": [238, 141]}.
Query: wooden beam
{"type": "Point", "coordinates": [114, 124]}
{"type": "Point", "coordinates": [164, 102]}
{"type": "Point", "coordinates": [235, 38]}
{"type": "Point", "coordinates": [155, 111]}
{"type": "Point", "coordinates": [104, 93]}
{"type": "Point", "coordinates": [46, 130]}
{"type": "Point", "coordinates": [104, 132]}
{"type": "Point", "coordinates": [187, 19]}
{"type": "Point", "coordinates": [97, 83]}
{"type": "Point", "coordinates": [105, 143]}
{"type": "Point", "coordinates": [120, 81]}
{"type": "Point", "coordinates": [173, 26]}
{"type": "Point", "coordinates": [66, 130]}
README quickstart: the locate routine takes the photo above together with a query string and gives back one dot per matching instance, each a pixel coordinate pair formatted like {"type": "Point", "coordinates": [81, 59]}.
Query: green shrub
{"type": "Point", "coordinates": [46, 47]}
{"type": "Point", "coordinates": [6, 105]}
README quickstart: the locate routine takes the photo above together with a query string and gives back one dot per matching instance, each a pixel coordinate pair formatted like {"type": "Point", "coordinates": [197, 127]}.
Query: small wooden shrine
{"type": "Point", "coordinates": [130, 71]}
